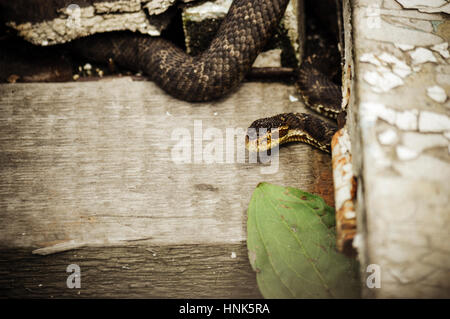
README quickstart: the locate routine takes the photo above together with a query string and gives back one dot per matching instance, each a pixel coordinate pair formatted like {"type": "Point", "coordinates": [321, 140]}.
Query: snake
{"type": "Point", "coordinates": [217, 71]}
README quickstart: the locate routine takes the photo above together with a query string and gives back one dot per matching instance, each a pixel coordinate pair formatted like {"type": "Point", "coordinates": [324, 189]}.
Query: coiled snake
{"type": "Point", "coordinates": [244, 32]}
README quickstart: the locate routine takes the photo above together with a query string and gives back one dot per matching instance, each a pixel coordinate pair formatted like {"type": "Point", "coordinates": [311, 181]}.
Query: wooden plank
{"type": "Point", "coordinates": [136, 271]}
{"type": "Point", "coordinates": [90, 164]}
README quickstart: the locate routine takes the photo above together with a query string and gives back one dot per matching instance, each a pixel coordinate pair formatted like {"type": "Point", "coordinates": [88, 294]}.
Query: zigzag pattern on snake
{"type": "Point", "coordinates": [220, 69]}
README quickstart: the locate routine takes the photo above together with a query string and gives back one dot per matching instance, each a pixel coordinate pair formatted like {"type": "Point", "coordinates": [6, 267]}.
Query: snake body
{"type": "Point", "coordinates": [242, 35]}
{"type": "Point", "coordinates": [244, 32]}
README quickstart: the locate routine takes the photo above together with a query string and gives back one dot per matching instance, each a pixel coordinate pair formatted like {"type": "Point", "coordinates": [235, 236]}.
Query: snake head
{"type": "Point", "coordinates": [267, 133]}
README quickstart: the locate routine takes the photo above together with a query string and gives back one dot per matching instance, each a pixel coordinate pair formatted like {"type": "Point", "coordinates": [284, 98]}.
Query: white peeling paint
{"type": "Point", "coordinates": [383, 81]}
{"type": "Point", "coordinates": [422, 55]}
{"type": "Point", "coordinates": [437, 94]}
{"type": "Point", "coordinates": [342, 168]}
{"type": "Point", "coordinates": [387, 62]}
{"type": "Point", "coordinates": [341, 195]}
{"type": "Point", "coordinates": [376, 154]}
{"type": "Point", "coordinates": [420, 142]}
{"type": "Point", "coordinates": [370, 58]}
{"type": "Point", "coordinates": [407, 120]}
{"type": "Point", "coordinates": [442, 49]}
{"type": "Point", "coordinates": [424, 168]}
{"type": "Point", "coordinates": [388, 137]}
{"type": "Point", "coordinates": [208, 10]}
{"type": "Point", "coordinates": [433, 122]}
{"type": "Point", "coordinates": [389, 74]}
{"type": "Point", "coordinates": [350, 215]}
{"type": "Point", "coordinates": [421, 3]}
{"type": "Point", "coordinates": [88, 21]}
{"type": "Point", "coordinates": [427, 6]}
{"type": "Point", "coordinates": [370, 112]}
{"type": "Point", "coordinates": [404, 47]}
{"type": "Point", "coordinates": [404, 153]}
{"type": "Point", "coordinates": [158, 7]}
{"type": "Point", "coordinates": [398, 66]}
{"type": "Point", "coordinates": [292, 25]}
{"type": "Point", "coordinates": [404, 170]}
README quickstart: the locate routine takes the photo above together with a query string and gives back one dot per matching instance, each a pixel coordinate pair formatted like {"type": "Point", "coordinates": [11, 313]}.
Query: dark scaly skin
{"type": "Point", "coordinates": [290, 127]}
{"type": "Point", "coordinates": [318, 91]}
{"type": "Point", "coordinates": [247, 27]}
{"type": "Point", "coordinates": [244, 32]}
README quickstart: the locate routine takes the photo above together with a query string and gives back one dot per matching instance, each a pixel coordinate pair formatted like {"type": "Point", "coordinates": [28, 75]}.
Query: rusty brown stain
{"type": "Point", "coordinates": [335, 138]}
{"type": "Point", "coordinates": [323, 183]}
{"type": "Point", "coordinates": [345, 229]}
{"type": "Point", "coordinates": [340, 161]}
{"type": "Point", "coordinates": [354, 187]}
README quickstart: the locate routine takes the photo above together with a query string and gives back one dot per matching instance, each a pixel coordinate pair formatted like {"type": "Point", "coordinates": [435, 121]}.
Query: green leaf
{"type": "Point", "coordinates": [292, 246]}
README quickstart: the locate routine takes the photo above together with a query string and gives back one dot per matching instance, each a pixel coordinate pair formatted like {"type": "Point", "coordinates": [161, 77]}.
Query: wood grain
{"type": "Point", "coordinates": [89, 165]}
{"type": "Point", "coordinates": [135, 271]}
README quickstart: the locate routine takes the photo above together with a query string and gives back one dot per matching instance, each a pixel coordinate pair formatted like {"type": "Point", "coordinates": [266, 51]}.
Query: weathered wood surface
{"type": "Point", "coordinates": [135, 271]}
{"type": "Point", "coordinates": [89, 165]}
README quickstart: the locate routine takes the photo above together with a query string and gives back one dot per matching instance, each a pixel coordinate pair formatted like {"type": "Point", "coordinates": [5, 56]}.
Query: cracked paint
{"type": "Point", "coordinates": [422, 55]}
{"type": "Point", "coordinates": [433, 122]}
{"type": "Point", "coordinates": [427, 6]}
{"type": "Point", "coordinates": [442, 49]}
{"type": "Point", "coordinates": [401, 143]}
{"type": "Point", "coordinates": [437, 93]}
{"type": "Point", "coordinates": [405, 153]}
{"type": "Point", "coordinates": [388, 137]}
{"type": "Point", "coordinates": [100, 17]}
{"type": "Point", "coordinates": [344, 190]}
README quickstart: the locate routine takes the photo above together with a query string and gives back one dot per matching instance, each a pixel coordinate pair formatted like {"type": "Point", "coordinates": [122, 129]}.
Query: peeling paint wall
{"type": "Point", "coordinates": [147, 17]}
{"type": "Point", "coordinates": [400, 127]}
